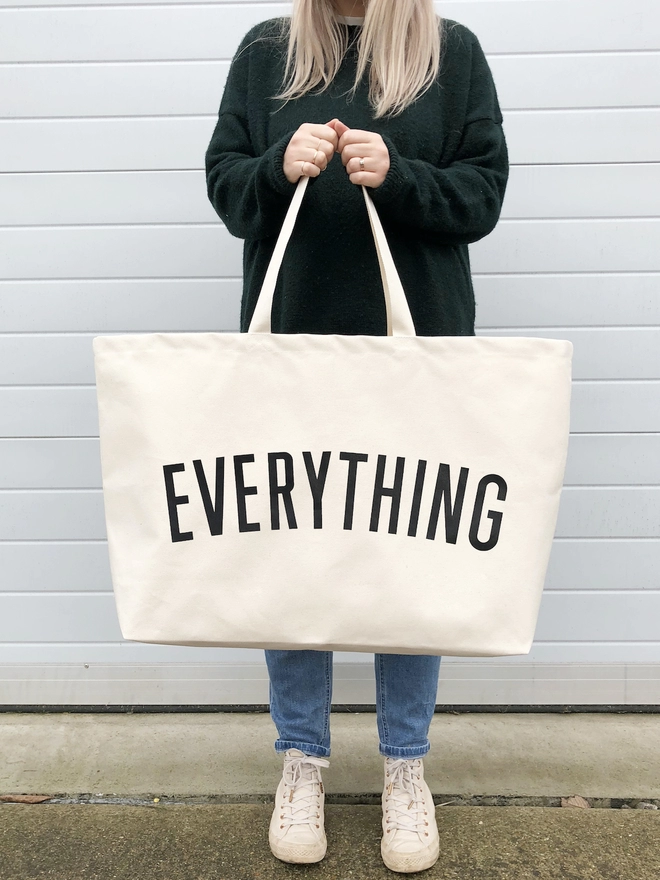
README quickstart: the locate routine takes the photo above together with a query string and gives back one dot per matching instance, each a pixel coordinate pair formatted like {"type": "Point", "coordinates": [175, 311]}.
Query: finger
{"type": "Point", "coordinates": [356, 150]}
{"type": "Point", "coordinates": [356, 135]}
{"type": "Point", "coordinates": [324, 133]}
{"type": "Point", "coordinates": [319, 158]}
{"type": "Point", "coordinates": [367, 178]}
{"type": "Point", "coordinates": [309, 169]}
{"type": "Point", "coordinates": [326, 148]}
{"type": "Point", "coordinates": [339, 127]}
{"type": "Point", "coordinates": [353, 165]}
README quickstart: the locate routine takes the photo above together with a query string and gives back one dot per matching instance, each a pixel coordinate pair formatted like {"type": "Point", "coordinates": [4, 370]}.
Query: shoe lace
{"type": "Point", "coordinates": [302, 790]}
{"type": "Point", "coordinates": [405, 807]}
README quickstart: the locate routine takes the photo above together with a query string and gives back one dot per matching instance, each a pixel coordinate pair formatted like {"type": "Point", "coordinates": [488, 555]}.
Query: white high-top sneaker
{"type": "Point", "coordinates": [297, 832]}
{"type": "Point", "coordinates": [410, 834]}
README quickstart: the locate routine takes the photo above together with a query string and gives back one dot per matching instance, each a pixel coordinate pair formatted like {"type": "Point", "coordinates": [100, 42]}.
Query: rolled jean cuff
{"type": "Point", "coordinates": [404, 751]}
{"type": "Point", "coordinates": [282, 745]}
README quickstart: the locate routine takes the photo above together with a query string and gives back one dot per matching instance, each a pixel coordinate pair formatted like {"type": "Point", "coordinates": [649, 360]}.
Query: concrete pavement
{"type": "Point", "coordinates": [188, 754]}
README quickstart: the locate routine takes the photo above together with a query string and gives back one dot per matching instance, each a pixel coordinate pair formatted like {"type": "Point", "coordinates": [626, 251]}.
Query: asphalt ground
{"type": "Point", "coordinates": [229, 842]}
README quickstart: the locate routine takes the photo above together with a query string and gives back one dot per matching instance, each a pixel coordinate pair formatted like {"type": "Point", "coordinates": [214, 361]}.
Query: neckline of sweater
{"type": "Point", "coordinates": [350, 20]}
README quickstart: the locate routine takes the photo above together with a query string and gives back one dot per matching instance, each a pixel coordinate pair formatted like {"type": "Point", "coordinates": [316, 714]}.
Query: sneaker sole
{"type": "Point", "coordinates": [409, 863]}
{"type": "Point", "coordinates": [298, 853]}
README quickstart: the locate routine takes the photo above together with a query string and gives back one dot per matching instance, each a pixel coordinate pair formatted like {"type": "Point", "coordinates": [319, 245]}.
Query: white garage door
{"type": "Point", "coordinates": [105, 114]}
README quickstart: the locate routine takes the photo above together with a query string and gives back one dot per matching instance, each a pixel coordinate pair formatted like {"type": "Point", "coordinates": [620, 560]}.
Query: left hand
{"type": "Point", "coordinates": [354, 145]}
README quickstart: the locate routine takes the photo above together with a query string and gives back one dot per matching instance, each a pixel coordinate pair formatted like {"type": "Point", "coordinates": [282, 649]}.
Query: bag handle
{"type": "Point", "coordinates": [399, 319]}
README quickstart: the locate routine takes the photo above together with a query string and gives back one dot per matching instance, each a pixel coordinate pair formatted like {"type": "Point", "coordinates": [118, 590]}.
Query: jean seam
{"type": "Point", "coordinates": [405, 751]}
{"type": "Point", "coordinates": [383, 699]}
{"type": "Point", "coordinates": [328, 694]}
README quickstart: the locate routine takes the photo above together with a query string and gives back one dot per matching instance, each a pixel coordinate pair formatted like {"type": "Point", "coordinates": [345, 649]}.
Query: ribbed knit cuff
{"type": "Point", "coordinates": [273, 160]}
{"type": "Point", "coordinates": [395, 179]}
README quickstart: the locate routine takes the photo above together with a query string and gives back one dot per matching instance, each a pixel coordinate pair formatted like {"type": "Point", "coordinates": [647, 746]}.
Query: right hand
{"type": "Point", "coordinates": [309, 151]}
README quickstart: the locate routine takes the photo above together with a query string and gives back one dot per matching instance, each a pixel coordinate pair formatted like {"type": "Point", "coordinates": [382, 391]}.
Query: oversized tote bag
{"type": "Point", "coordinates": [358, 493]}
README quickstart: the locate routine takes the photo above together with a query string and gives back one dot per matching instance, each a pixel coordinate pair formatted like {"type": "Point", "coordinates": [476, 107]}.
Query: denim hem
{"type": "Point", "coordinates": [309, 748]}
{"type": "Point", "coordinates": [403, 751]}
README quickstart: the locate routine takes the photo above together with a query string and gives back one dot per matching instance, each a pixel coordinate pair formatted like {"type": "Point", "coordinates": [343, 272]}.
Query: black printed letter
{"type": "Point", "coordinates": [317, 484]}
{"type": "Point", "coordinates": [495, 515]}
{"type": "Point", "coordinates": [242, 491]}
{"type": "Point", "coordinates": [213, 510]}
{"type": "Point", "coordinates": [284, 491]}
{"type": "Point", "coordinates": [352, 458]}
{"type": "Point", "coordinates": [173, 500]}
{"type": "Point", "coordinates": [394, 493]}
{"type": "Point", "coordinates": [417, 498]}
{"type": "Point", "coordinates": [452, 512]}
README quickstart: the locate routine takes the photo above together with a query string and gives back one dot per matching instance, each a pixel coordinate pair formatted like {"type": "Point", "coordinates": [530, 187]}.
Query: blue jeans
{"type": "Point", "coordinates": [301, 694]}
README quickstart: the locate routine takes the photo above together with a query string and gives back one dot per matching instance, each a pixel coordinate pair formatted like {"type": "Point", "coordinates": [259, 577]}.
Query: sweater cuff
{"type": "Point", "coordinates": [273, 160]}
{"type": "Point", "coordinates": [395, 179]}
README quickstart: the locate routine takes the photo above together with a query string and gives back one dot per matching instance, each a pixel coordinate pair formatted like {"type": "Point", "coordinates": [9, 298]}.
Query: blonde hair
{"type": "Point", "coordinates": [400, 41]}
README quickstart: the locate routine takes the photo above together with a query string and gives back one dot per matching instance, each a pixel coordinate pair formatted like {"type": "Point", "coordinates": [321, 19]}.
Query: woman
{"type": "Point", "coordinates": [413, 115]}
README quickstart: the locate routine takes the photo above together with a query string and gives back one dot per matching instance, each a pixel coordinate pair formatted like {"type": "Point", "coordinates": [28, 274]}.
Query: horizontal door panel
{"type": "Point", "coordinates": [137, 653]}
{"type": "Point", "coordinates": [535, 137]}
{"type": "Point", "coordinates": [539, 137]}
{"type": "Point", "coordinates": [188, 31]}
{"type": "Point", "coordinates": [121, 305]}
{"type": "Point", "coordinates": [570, 246]}
{"type": "Point", "coordinates": [566, 300]}
{"type": "Point", "coordinates": [105, 144]}
{"type": "Point", "coordinates": [598, 354]}
{"type": "Point", "coordinates": [606, 353]}
{"type": "Point", "coordinates": [61, 463]}
{"type": "Point", "coordinates": [562, 616]}
{"type": "Point", "coordinates": [209, 250]}
{"type": "Point", "coordinates": [604, 565]}
{"type": "Point", "coordinates": [163, 88]}
{"type": "Point", "coordinates": [599, 617]}
{"type": "Point", "coordinates": [48, 412]}
{"type": "Point", "coordinates": [55, 567]}
{"type": "Point", "coordinates": [461, 683]}
{"type": "Point", "coordinates": [127, 197]}
{"type": "Point", "coordinates": [609, 513]}
{"type": "Point", "coordinates": [44, 618]}
{"type": "Point", "coordinates": [198, 304]}
{"type": "Point", "coordinates": [74, 463]}
{"type": "Point", "coordinates": [72, 516]}
{"type": "Point", "coordinates": [71, 412]}
{"type": "Point", "coordinates": [576, 80]}
{"type": "Point", "coordinates": [159, 88]}
{"type": "Point", "coordinates": [105, 197]}
{"type": "Point", "coordinates": [644, 655]}
{"type": "Point", "coordinates": [575, 564]}
{"type": "Point", "coordinates": [35, 515]}
{"type": "Point", "coordinates": [587, 191]}
{"type": "Point", "coordinates": [620, 406]}
{"type": "Point", "coordinates": [120, 251]}
{"type": "Point", "coordinates": [614, 459]}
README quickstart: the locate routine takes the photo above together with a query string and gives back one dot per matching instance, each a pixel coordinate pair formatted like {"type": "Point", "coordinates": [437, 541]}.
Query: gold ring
{"type": "Point", "coordinates": [361, 164]}
{"type": "Point", "coordinates": [314, 159]}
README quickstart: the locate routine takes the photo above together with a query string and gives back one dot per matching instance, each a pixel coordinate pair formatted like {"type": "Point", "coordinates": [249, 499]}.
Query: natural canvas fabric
{"type": "Point", "coordinates": [361, 493]}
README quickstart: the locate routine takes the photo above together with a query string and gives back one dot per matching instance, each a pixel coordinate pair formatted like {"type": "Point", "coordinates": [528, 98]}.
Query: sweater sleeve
{"type": "Point", "coordinates": [460, 203]}
{"type": "Point", "coordinates": [250, 192]}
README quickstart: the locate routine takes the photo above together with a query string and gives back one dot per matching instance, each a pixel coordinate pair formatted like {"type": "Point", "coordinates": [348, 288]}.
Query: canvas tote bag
{"type": "Point", "coordinates": [358, 493]}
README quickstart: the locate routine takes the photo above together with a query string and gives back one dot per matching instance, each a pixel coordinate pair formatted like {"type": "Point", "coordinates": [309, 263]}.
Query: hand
{"type": "Point", "coordinates": [309, 151]}
{"type": "Point", "coordinates": [354, 145]}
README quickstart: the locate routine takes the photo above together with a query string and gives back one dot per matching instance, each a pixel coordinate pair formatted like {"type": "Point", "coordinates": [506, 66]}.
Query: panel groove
{"type": "Point", "coordinates": [198, 224]}
{"type": "Point", "coordinates": [144, 279]}
{"type": "Point", "coordinates": [213, 116]}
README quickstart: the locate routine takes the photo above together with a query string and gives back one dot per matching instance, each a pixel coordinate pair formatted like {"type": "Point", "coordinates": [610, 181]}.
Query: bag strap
{"type": "Point", "coordinates": [399, 319]}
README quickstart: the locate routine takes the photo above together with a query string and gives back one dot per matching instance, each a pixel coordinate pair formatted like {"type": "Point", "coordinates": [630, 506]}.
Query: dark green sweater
{"type": "Point", "coordinates": [444, 189]}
